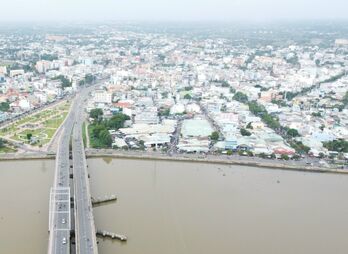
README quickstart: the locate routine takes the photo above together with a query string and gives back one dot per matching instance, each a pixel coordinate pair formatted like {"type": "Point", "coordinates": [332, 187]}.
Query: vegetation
{"type": "Point", "coordinates": [260, 111]}
{"type": "Point", "coordinates": [99, 136]}
{"type": "Point", "coordinates": [116, 122]}
{"type": "Point", "coordinates": [99, 130]}
{"type": "Point", "coordinates": [49, 57]}
{"type": "Point", "coordinates": [249, 126]}
{"type": "Point", "coordinates": [4, 106]}
{"type": "Point", "coordinates": [333, 78]}
{"type": "Point", "coordinates": [280, 103]}
{"type": "Point", "coordinates": [84, 136]}
{"type": "Point", "coordinates": [299, 147]}
{"type": "Point", "coordinates": [291, 95]}
{"type": "Point", "coordinates": [187, 97]}
{"type": "Point", "coordinates": [46, 123]}
{"type": "Point", "coordinates": [292, 133]}
{"type": "Point", "coordinates": [96, 114]}
{"type": "Point", "coordinates": [337, 146]}
{"type": "Point", "coordinates": [241, 97]}
{"type": "Point", "coordinates": [245, 132]}
{"type": "Point", "coordinates": [284, 157]}
{"type": "Point", "coordinates": [89, 79]}
{"type": "Point", "coordinates": [214, 136]}
{"type": "Point", "coordinates": [29, 136]}
{"type": "Point", "coordinates": [65, 82]}
{"type": "Point", "coordinates": [345, 100]}
{"type": "Point", "coordinates": [229, 152]}
{"type": "Point", "coordinates": [164, 112]}
{"type": "Point", "coordinates": [316, 114]}
{"type": "Point", "coordinates": [224, 83]}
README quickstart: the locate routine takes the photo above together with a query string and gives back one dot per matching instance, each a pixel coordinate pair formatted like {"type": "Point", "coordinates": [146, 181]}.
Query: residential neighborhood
{"type": "Point", "coordinates": [187, 95]}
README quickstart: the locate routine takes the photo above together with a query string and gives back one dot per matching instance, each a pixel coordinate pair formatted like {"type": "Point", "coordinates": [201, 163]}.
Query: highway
{"type": "Point", "coordinates": [85, 234]}
{"type": "Point", "coordinates": [60, 212]}
{"type": "Point", "coordinates": [59, 216]}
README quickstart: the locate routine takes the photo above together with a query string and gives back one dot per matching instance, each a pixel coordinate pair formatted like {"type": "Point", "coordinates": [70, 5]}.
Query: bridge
{"type": "Point", "coordinates": [66, 216]}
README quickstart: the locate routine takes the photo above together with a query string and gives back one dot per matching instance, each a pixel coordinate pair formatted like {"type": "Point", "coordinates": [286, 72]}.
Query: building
{"type": "Point", "coordinates": [102, 96]}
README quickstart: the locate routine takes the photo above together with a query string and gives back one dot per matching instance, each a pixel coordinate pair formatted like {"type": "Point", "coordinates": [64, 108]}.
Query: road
{"type": "Point", "coordinates": [85, 235]}
{"type": "Point", "coordinates": [60, 215]}
{"type": "Point", "coordinates": [59, 225]}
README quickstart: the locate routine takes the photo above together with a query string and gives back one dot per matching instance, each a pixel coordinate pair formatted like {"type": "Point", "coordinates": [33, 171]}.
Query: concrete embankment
{"type": "Point", "coordinates": [243, 161]}
{"type": "Point", "coordinates": [26, 156]}
{"type": "Point", "coordinates": [211, 160]}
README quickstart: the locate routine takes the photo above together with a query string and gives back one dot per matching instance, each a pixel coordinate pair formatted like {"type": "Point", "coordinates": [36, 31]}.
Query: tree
{"type": "Point", "coordinates": [142, 144]}
{"type": "Point", "coordinates": [241, 153]}
{"type": "Point", "coordinates": [214, 136]}
{"type": "Point", "coordinates": [345, 99]}
{"type": "Point", "coordinates": [89, 78]}
{"type": "Point", "coordinates": [296, 157]}
{"type": "Point", "coordinates": [117, 121]}
{"type": "Point", "coordinates": [245, 132]}
{"type": "Point", "coordinates": [263, 155]}
{"type": "Point", "coordinates": [250, 153]}
{"type": "Point", "coordinates": [241, 97]}
{"type": "Point", "coordinates": [96, 114]}
{"type": "Point", "coordinates": [293, 133]}
{"type": "Point", "coordinates": [4, 106]}
{"type": "Point", "coordinates": [316, 114]}
{"type": "Point", "coordinates": [229, 152]}
{"type": "Point", "coordinates": [97, 129]}
{"type": "Point", "coordinates": [249, 126]}
{"type": "Point", "coordinates": [187, 97]}
{"type": "Point", "coordinates": [284, 157]}
{"type": "Point", "coordinates": [337, 145]}
{"type": "Point", "coordinates": [164, 112]}
{"type": "Point", "coordinates": [29, 136]}
{"type": "Point", "coordinates": [105, 138]}
{"type": "Point", "coordinates": [48, 57]}
{"type": "Point", "coordinates": [299, 147]}
{"type": "Point", "coordinates": [65, 82]}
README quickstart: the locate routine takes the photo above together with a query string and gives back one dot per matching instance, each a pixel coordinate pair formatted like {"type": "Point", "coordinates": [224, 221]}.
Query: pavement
{"type": "Point", "coordinates": [60, 217]}
{"type": "Point", "coordinates": [85, 234]}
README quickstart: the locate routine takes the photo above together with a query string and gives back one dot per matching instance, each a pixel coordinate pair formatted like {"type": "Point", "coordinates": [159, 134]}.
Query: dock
{"type": "Point", "coordinates": [106, 234]}
{"type": "Point", "coordinates": [106, 199]}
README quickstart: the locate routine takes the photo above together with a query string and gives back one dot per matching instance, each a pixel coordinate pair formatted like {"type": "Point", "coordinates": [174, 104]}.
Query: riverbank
{"type": "Point", "coordinates": [26, 156]}
{"type": "Point", "coordinates": [211, 159]}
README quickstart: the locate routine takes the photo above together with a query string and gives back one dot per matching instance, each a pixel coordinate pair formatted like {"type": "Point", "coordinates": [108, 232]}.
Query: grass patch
{"type": "Point", "coordinates": [47, 122]}
{"type": "Point", "coordinates": [84, 134]}
{"type": "Point", "coordinates": [6, 149]}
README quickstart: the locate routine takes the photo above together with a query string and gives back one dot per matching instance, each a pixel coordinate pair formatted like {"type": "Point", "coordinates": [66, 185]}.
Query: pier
{"type": "Point", "coordinates": [106, 234]}
{"type": "Point", "coordinates": [106, 199]}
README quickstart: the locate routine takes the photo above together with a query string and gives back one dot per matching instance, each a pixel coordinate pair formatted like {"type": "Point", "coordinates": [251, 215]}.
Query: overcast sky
{"type": "Point", "coordinates": [171, 10]}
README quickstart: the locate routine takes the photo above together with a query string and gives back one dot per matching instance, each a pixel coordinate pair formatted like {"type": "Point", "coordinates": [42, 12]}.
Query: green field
{"type": "Point", "coordinates": [42, 126]}
{"type": "Point", "coordinates": [6, 149]}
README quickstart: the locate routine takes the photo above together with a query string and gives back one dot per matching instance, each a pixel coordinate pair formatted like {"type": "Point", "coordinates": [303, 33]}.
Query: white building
{"type": "Point", "coordinates": [102, 96]}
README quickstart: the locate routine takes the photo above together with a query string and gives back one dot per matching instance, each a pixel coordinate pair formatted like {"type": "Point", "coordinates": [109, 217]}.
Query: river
{"type": "Point", "coordinates": [187, 208]}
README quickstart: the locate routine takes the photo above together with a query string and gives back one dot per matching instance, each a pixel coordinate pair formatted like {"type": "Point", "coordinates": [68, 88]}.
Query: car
{"type": "Point", "coordinates": [64, 240]}
{"type": "Point", "coordinates": [63, 221]}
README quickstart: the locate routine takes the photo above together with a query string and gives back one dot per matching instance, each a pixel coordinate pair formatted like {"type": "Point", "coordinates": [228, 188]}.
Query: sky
{"type": "Point", "coordinates": [172, 10]}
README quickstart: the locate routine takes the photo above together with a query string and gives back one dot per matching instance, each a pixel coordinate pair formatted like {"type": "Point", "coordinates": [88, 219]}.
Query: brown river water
{"type": "Point", "coordinates": [187, 208]}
